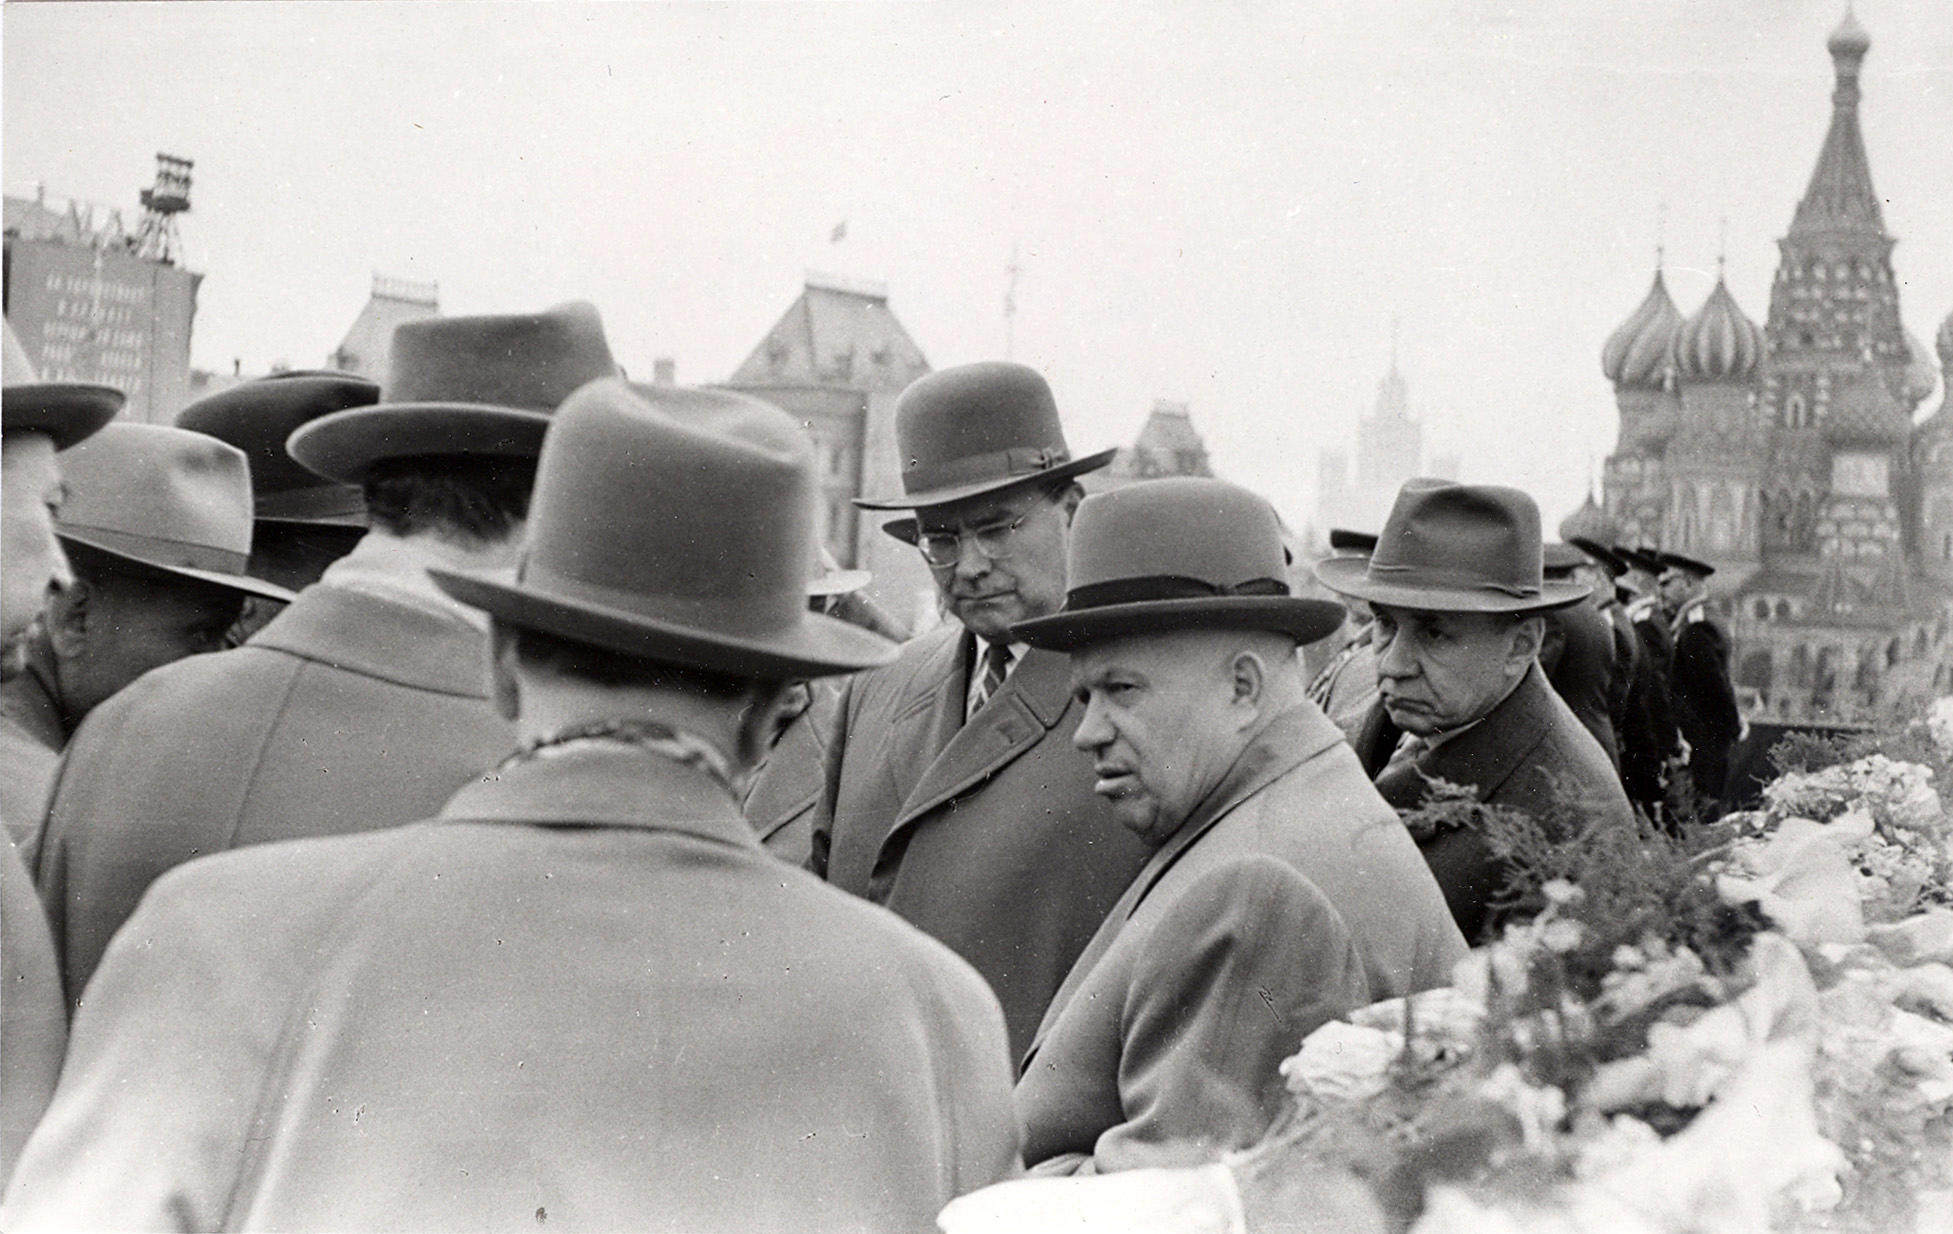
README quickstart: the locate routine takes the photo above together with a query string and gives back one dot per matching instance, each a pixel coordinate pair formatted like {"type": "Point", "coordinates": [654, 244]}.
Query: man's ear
{"type": "Point", "coordinates": [69, 609]}
{"type": "Point", "coordinates": [1248, 680]}
{"type": "Point", "coordinates": [1073, 494]}
{"type": "Point", "coordinates": [504, 686]}
{"type": "Point", "coordinates": [1528, 636]}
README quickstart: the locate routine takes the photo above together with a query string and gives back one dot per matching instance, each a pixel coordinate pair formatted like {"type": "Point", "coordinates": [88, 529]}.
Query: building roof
{"type": "Point", "coordinates": [837, 333]}
{"type": "Point", "coordinates": [1840, 197]}
{"type": "Point", "coordinates": [368, 344]}
{"type": "Point", "coordinates": [1167, 445]}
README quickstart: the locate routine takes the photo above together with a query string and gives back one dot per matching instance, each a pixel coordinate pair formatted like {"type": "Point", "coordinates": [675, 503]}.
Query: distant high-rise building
{"type": "Point", "coordinates": [1389, 451]}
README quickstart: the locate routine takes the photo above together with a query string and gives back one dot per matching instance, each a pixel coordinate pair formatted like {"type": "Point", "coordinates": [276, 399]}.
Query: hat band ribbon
{"type": "Point", "coordinates": [759, 615]}
{"type": "Point", "coordinates": [975, 468]}
{"type": "Point", "coordinates": [1153, 587]}
{"type": "Point", "coordinates": [158, 550]}
{"type": "Point", "coordinates": [313, 501]}
{"type": "Point", "coordinates": [1415, 575]}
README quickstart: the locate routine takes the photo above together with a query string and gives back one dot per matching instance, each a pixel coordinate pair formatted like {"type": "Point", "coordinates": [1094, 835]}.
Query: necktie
{"type": "Point", "coordinates": [996, 663]}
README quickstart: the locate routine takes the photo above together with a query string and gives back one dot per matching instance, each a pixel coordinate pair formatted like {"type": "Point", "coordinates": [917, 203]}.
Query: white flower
{"type": "Point", "coordinates": [1561, 935]}
{"type": "Point", "coordinates": [1539, 1108]}
{"type": "Point", "coordinates": [1560, 891]}
{"type": "Point", "coordinates": [1939, 721]}
{"type": "Point", "coordinates": [1343, 1062]}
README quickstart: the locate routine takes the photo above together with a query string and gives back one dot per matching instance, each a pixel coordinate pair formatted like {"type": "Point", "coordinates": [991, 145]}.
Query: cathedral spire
{"type": "Point", "coordinates": [1840, 197]}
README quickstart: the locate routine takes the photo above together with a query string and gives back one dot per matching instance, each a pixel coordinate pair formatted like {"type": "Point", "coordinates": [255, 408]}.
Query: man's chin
{"type": "Point", "coordinates": [990, 620]}
{"type": "Point", "coordinates": [1411, 719]}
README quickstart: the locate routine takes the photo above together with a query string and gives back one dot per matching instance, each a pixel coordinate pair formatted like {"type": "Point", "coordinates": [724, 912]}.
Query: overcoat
{"type": "Point", "coordinates": [1705, 700]}
{"type": "Point", "coordinates": [1578, 656]}
{"type": "Point", "coordinates": [1161, 1048]}
{"type": "Point", "coordinates": [349, 711]}
{"type": "Point", "coordinates": [1530, 753]}
{"type": "Point", "coordinates": [986, 835]}
{"type": "Point", "coordinates": [33, 1019]}
{"type": "Point", "coordinates": [582, 998]}
{"type": "Point", "coordinates": [785, 791]}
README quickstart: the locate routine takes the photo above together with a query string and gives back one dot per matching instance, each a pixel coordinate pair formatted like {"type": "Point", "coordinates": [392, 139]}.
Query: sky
{"type": "Point", "coordinates": [1223, 203]}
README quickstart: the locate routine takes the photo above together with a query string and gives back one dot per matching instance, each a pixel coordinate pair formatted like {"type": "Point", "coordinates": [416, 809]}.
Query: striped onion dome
{"type": "Point", "coordinates": [1637, 354]}
{"type": "Point", "coordinates": [1718, 343]}
{"type": "Point", "coordinates": [1921, 378]}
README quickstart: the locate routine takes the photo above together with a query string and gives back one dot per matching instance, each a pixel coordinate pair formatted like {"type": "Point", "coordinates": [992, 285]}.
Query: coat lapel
{"type": "Point", "coordinates": [1485, 756]}
{"type": "Point", "coordinates": [1032, 700]}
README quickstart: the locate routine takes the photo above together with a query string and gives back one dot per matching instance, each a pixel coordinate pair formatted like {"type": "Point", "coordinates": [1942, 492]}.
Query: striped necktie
{"type": "Point", "coordinates": [996, 663]}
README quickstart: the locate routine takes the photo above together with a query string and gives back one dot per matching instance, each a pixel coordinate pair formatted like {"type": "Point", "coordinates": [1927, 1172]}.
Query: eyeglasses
{"type": "Point", "coordinates": [945, 548]}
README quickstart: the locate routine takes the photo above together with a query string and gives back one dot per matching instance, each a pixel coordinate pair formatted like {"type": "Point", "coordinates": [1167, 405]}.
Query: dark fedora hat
{"type": "Point", "coordinates": [1470, 548]}
{"type": "Point", "coordinates": [64, 410]}
{"type": "Point", "coordinates": [463, 385]}
{"type": "Point", "coordinates": [1687, 565]}
{"type": "Point", "coordinates": [258, 417]}
{"type": "Point", "coordinates": [165, 500]}
{"type": "Point", "coordinates": [676, 525]}
{"type": "Point", "coordinates": [1177, 554]}
{"type": "Point", "coordinates": [1602, 556]}
{"type": "Point", "coordinates": [976, 429]}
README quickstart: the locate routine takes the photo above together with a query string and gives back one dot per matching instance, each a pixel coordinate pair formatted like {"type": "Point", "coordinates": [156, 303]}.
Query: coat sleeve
{"type": "Point", "coordinates": [1702, 665]}
{"type": "Point", "coordinates": [834, 747]}
{"type": "Point", "coordinates": [1246, 962]}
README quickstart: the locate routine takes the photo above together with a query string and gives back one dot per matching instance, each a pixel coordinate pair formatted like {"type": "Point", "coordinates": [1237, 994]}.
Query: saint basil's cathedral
{"type": "Point", "coordinates": [1787, 456]}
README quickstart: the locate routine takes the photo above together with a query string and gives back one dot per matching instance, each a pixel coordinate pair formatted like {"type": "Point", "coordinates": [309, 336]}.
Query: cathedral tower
{"type": "Point", "coordinates": [1639, 359]}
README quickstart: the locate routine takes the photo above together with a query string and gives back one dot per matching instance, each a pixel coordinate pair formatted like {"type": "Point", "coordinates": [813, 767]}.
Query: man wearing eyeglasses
{"type": "Point", "coordinates": [953, 794]}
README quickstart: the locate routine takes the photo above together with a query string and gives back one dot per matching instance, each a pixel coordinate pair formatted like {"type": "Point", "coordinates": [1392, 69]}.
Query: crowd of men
{"type": "Point", "coordinates": [477, 801]}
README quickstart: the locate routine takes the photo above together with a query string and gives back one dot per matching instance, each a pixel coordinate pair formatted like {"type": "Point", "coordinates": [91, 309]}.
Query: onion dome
{"type": "Point", "coordinates": [1637, 354]}
{"type": "Point", "coordinates": [1718, 343]}
{"type": "Point", "coordinates": [1921, 378]}
{"type": "Point", "coordinates": [1849, 39]}
{"type": "Point", "coordinates": [1589, 522]}
{"type": "Point", "coordinates": [1943, 342]}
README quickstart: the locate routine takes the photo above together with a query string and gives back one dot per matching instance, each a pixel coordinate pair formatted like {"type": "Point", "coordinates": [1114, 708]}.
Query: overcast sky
{"type": "Point", "coordinates": [1222, 203]}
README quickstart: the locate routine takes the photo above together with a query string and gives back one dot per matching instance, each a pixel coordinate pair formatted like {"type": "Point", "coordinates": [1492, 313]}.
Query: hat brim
{"type": "Point", "coordinates": [818, 646]}
{"type": "Point", "coordinates": [66, 412]}
{"type": "Point", "coordinates": [979, 488]}
{"type": "Point", "coordinates": [1350, 576]}
{"type": "Point", "coordinates": [235, 582]}
{"type": "Point", "coordinates": [839, 582]}
{"type": "Point", "coordinates": [1304, 620]}
{"type": "Point", "coordinates": [344, 445]}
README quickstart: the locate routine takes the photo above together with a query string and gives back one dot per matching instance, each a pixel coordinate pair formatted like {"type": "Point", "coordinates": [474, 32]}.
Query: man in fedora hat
{"type": "Point", "coordinates": [1577, 651]}
{"type": "Point", "coordinates": [157, 528]}
{"type": "Point", "coordinates": [303, 522]}
{"type": "Point", "coordinates": [952, 794]}
{"type": "Point", "coordinates": [1706, 713]}
{"type": "Point", "coordinates": [1280, 891]}
{"type": "Point", "coordinates": [582, 995]}
{"type": "Point", "coordinates": [39, 420]}
{"type": "Point", "coordinates": [1458, 590]}
{"type": "Point", "coordinates": [362, 704]}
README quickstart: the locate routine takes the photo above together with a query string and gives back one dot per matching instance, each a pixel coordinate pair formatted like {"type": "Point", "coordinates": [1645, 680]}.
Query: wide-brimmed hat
{"type": "Point", "coordinates": [258, 417]}
{"type": "Point", "coordinates": [163, 500]}
{"type": "Point", "coordinates": [831, 579]}
{"type": "Point", "coordinates": [976, 429]}
{"type": "Point", "coordinates": [1687, 565]}
{"type": "Point", "coordinates": [64, 410]}
{"type": "Point", "coordinates": [1471, 548]}
{"type": "Point", "coordinates": [675, 525]}
{"type": "Point", "coordinates": [463, 385]}
{"type": "Point", "coordinates": [1176, 554]}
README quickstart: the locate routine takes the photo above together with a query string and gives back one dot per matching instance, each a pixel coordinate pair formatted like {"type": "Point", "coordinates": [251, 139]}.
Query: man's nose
{"type": "Point", "coordinates": [1396, 660]}
{"type": "Point", "coordinates": [971, 561]}
{"type": "Point", "coordinates": [1092, 731]}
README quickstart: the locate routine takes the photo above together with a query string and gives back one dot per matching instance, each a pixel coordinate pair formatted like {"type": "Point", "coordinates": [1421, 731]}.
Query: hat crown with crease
{"type": "Point", "coordinates": [976, 429]}
{"type": "Point", "coordinates": [463, 385]}
{"type": "Point", "coordinates": [676, 525]}
{"type": "Point", "coordinates": [259, 415]}
{"type": "Point", "coordinates": [1176, 554]}
{"type": "Point", "coordinates": [164, 498]}
{"type": "Point", "coordinates": [1454, 547]}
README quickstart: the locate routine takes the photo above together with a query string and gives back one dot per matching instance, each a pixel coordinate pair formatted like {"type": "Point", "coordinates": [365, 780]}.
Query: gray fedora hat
{"type": "Point", "coordinates": [676, 525]}
{"type": "Point", "coordinates": [64, 410]}
{"type": "Point", "coordinates": [1176, 554]}
{"type": "Point", "coordinates": [976, 429]}
{"type": "Point", "coordinates": [1470, 548]}
{"type": "Point", "coordinates": [463, 385]}
{"type": "Point", "coordinates": [163, 499]}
